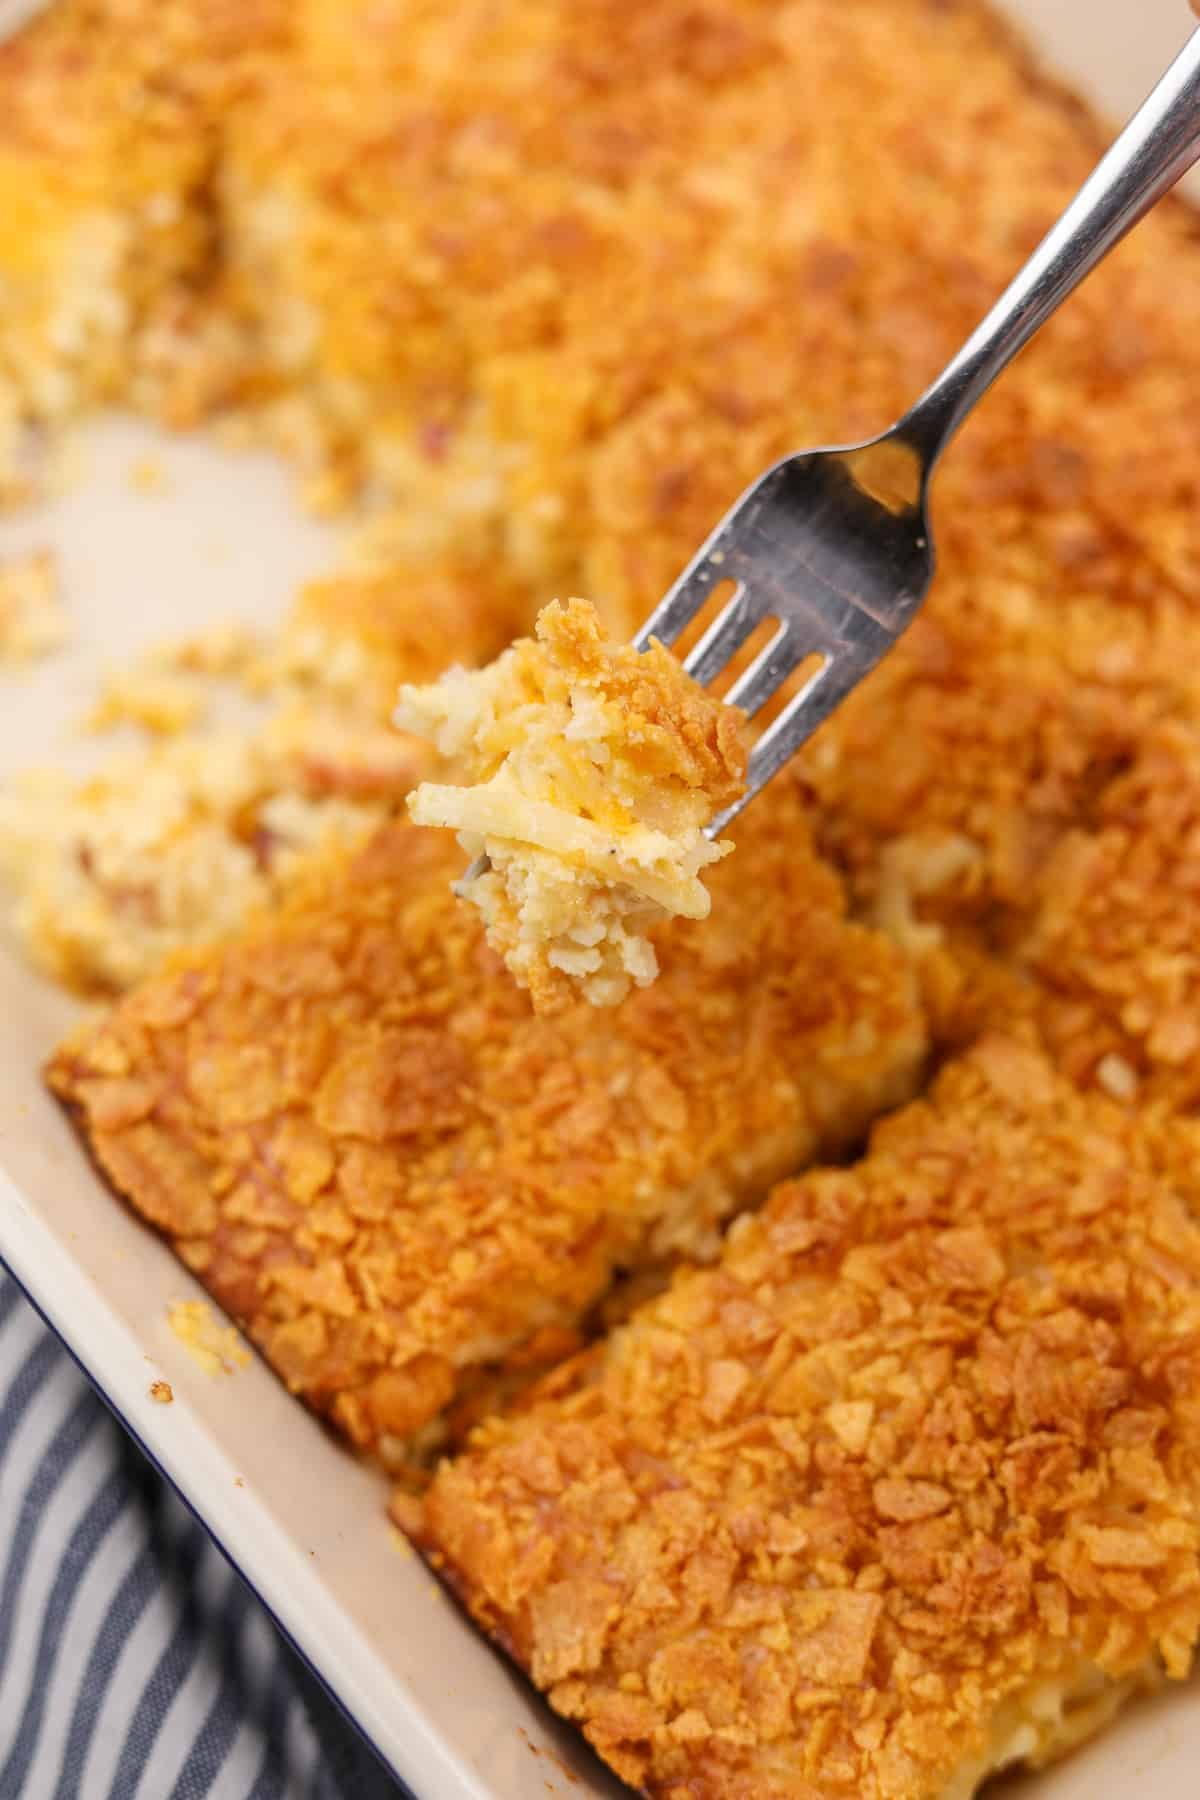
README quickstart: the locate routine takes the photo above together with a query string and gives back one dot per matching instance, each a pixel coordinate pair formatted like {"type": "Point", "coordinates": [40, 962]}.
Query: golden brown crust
{"type": "Point", "coordinates": [351, 1126]}
{"type": "Point", "coordinates": [575, 328]}
{"type": "Point", "coordinates": [405, 625]}
{"type": "Point", "coordinates": [681, 733]}
{"type": "Point", "coordinates": [924, 1441]}
{"type": "Point", "coordinates": [1113, 941]}
{"type": "Point", "coordinates": [575, 343]}
{"type": "Point", "coordinates": [566, 349]}
{"type": "Point", "coordinates": [988, 733]}
{"type": "Point", "coordinates": [109, 117]}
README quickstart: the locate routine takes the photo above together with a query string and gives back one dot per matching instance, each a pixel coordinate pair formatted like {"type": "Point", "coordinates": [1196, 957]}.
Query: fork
{"type": "Point", "coordinates": [834, 544]}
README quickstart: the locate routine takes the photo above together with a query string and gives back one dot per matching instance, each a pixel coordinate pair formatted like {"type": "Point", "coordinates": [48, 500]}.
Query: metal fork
{"type": "Point", "coordinates": [835, 544]}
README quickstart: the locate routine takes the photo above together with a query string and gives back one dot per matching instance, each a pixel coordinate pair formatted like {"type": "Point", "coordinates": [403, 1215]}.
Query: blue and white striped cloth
{"type": "Point", "coordinates": [135, 1664]}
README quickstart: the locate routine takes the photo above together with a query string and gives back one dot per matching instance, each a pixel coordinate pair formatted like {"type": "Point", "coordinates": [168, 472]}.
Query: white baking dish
{"type": "Point", "coordinates": [293, 1510]}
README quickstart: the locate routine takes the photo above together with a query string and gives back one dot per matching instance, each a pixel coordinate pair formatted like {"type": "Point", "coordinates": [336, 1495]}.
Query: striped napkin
{"type": "Point", "coordinates": [135, 1664]}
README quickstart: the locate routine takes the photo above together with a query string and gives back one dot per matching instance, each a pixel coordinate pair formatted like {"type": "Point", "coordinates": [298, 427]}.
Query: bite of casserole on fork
{"type": "Point", "coordinates": [587, 773]}
{"type": "Point", "coordinates": [904, 1490]}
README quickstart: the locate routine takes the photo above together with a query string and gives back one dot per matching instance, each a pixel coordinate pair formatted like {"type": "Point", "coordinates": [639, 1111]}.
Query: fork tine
{"type": "Point", "coordinates": [680, 604]}
{"type": "Point", "coordinates": [825, 689]}
{"type": "Point", "coordinates": [799, 718]}
{"type": "Point", "coordinates": [728, 631]}
{"type": "Point", "coordinates": [770, 668]}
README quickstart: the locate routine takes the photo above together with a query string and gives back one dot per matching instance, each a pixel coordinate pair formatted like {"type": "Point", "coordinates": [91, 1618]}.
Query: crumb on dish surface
{"type": "Point", "coordinates": [33, 621]}
{"type": "Point", "coordinates": [253, 755]}
{"type": "Point", "coordinates": [162, 701]}
{"type": "Point", "coordinates": [225, 648]}
{"type": "Point", "coordinates": [149, 475]}
{"type": "Point", "coordinates": [176, 844]}
{"type": "Point", "coordinates": [585, 773]}
{"type": "Point", "coordinates": [905, 1489]}
{"type": "Point", "coordinates": [213, 1346]}
{"type": "Point", "coordinates": [394, 1175]}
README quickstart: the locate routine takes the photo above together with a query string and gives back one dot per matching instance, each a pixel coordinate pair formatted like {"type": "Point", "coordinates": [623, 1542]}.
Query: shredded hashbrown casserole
{"type": "Point", "coordinates": [587, 773]}
{"type": "Point", "coordinates": [895, 1483]}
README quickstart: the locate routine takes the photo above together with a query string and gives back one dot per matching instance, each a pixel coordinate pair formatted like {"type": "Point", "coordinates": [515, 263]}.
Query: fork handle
{"type": "Point", "coordinates": [1159, 144]}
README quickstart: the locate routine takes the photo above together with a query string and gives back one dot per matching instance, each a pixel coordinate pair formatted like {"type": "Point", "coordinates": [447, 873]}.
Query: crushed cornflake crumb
{"type": "Point", "coordinates": [315, 1111]}
{"type": "Point", "coordinates": [32, 619]}
{"type": "Point", "coordinates": [214, 1347]}
{"type": "Point", "coordinates": [162, 1392]}
{"type": "Point", "coordinates": [588, 774]}
{"type": "Point", "coordinates": [927, 1415]}
{"type": "Point", "coordinates": [405, 1510]}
